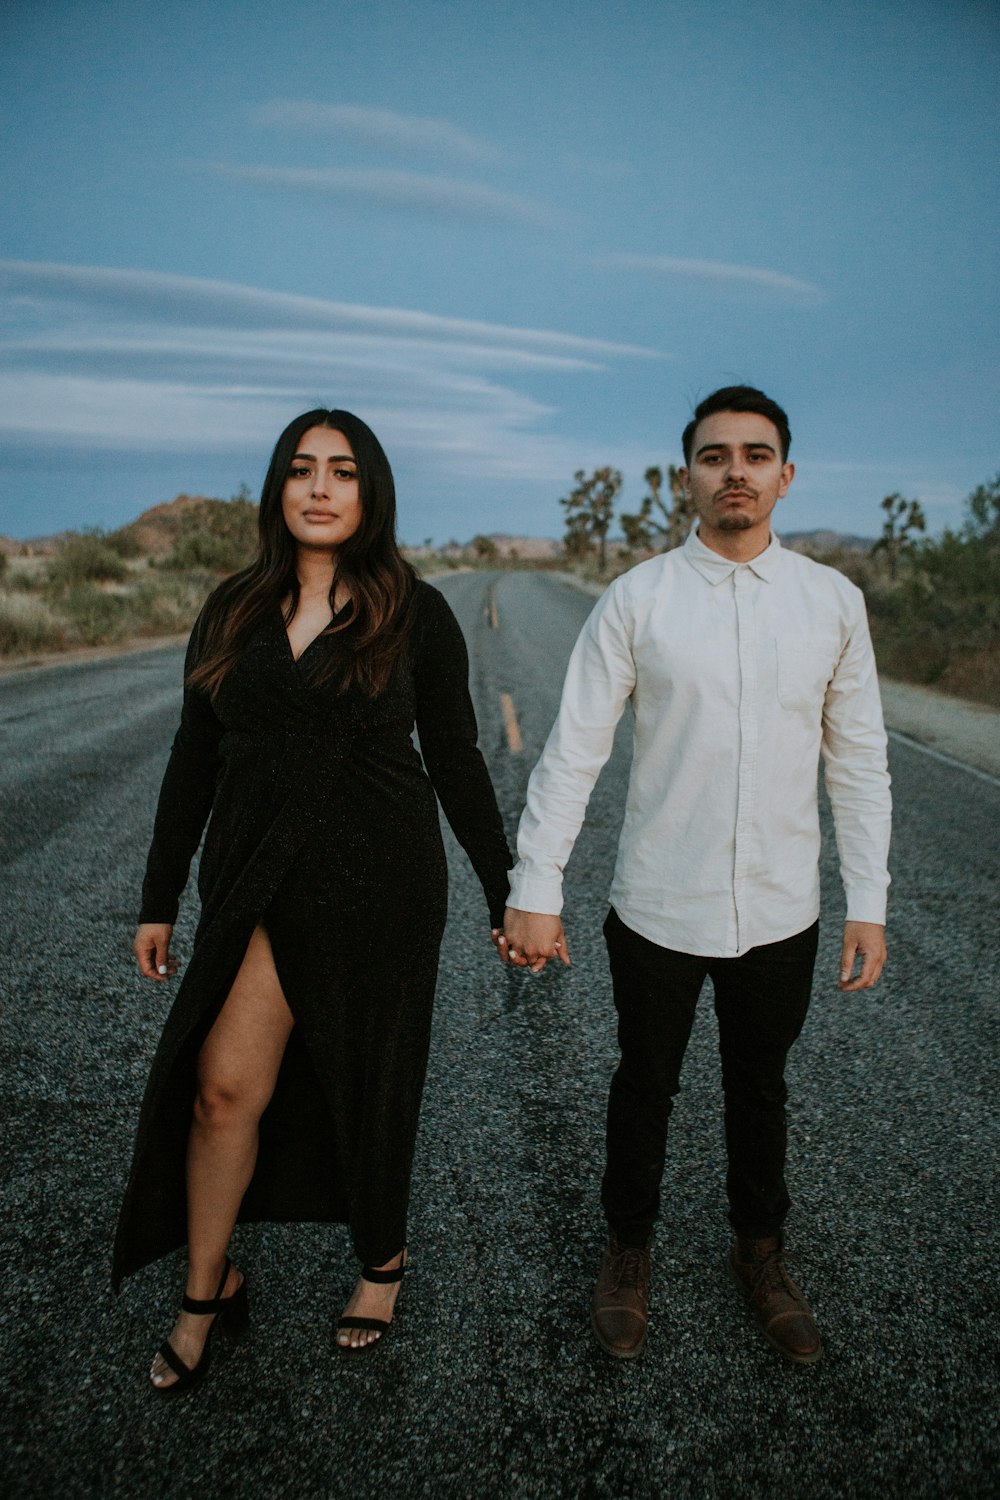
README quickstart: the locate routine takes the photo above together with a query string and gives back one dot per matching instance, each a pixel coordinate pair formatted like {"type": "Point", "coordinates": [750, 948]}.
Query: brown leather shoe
{"type": "Point", "coordinates": [783, 1314]}
{"type": "Point", "coordinates": [619, 1308]}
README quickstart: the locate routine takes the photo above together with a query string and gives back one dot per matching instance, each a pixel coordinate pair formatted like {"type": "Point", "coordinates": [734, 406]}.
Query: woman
{"type": "Point", "coordinates": [287, 1083]}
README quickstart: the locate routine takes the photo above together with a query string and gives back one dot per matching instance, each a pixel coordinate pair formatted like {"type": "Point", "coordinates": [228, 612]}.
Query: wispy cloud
{"type": "Point", "coordinates": [137, 361]}
{"type": "Point", "coordinates": [150, 416]}
{"type": "Point", "coordinates": [406, 135]}
{"type": "Point", "coordinates": [721, 275]}
{"type": "Point", "coordinates": [430, 433]}
{"type": "Point", "coordinates": [202, 301]}
{"type": "Point", "coordinates": [136, 346]}
{"type": "Point", "coordinates": [441, 197]}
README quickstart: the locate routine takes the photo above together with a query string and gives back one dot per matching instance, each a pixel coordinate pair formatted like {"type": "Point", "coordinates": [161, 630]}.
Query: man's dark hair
{"type": "Point", "coordinates": [738, 398]}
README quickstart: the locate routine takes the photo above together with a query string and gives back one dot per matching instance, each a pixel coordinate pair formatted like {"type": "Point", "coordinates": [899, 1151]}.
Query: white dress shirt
{"type": "Point", "coordinates": [739, 676]}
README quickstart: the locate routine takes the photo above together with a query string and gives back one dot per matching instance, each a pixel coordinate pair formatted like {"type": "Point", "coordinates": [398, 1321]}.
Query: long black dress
{"type": "Point", "coordinates": [324, 829]}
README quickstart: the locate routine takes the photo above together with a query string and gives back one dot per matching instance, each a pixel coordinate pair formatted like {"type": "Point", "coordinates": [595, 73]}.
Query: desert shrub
{"type": "Point", "coordinates": [92, 614]}
{"type": "Point", "coordinates": [167, 605]}
{"type": "Point", "coordinates": [123, 542]}
{"type": "Point", "coordinates": [25, 574]}
{"type": "Point", "coordinates": [4, 564]}
{"type": "Point", "coordinates": [220, 535]}
{"type": "Point", "coordinates": [85, 557]}
{"type": "Point", "coordinates": [204, 549]}
{"type": "Point", "coordinates": [28, 624]}
{"type": "Point", "coordinates": [938, 622]}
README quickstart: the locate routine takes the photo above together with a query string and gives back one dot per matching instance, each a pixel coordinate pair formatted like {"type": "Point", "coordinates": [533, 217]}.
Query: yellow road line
{"type": "Point", "coordinates": [494, 616]}
{"type": "Point", "coordinates": [510, 723]}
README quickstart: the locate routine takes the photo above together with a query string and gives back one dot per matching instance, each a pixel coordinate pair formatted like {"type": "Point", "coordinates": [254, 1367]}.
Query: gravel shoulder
{"type": "Point", "coordinates": [969, 732]}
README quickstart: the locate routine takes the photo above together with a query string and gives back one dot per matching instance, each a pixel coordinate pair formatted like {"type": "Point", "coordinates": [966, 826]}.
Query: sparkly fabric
{"type": "Point", "coordinates": [324, 829]}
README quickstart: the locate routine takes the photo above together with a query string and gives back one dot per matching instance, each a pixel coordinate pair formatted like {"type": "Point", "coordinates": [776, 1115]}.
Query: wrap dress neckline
{"type": "Point", "coordinates": [320, 634]}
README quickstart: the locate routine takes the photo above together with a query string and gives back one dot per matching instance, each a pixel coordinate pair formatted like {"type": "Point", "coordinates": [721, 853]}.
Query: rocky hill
{"type": "Point", "coordinates": [157, 529]}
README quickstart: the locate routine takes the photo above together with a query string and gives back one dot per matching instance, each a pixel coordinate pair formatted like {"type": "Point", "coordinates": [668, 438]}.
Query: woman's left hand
{"type": "Point", "coordinates": [530, 939]}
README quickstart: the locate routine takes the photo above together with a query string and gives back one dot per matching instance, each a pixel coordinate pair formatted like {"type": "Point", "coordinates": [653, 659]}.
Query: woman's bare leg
{"type": "Point", "coordinates": [237, 1070]}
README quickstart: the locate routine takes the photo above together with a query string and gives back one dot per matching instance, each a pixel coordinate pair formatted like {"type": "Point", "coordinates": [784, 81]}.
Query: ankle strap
{"type": "Point", "coordinates": [383, 1277]}
{"type": "Point", "coordinates": [209, 1304]}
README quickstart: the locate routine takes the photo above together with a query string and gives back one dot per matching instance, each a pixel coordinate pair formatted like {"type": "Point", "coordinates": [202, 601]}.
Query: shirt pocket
{"type": "Point", "coordinates": [805, 667]}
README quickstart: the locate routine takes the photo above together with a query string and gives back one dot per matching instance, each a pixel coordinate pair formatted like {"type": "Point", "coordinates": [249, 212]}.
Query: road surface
{"type": "Point", "coordinates": [490, 1382]}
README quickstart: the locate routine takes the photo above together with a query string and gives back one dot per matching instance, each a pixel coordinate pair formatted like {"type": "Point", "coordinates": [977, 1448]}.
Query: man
{"type": "Point", "coordinates": [743, 662]}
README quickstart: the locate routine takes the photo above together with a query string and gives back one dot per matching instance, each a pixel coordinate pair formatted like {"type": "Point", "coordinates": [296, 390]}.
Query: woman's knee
{"type": "Point", "coordinates": [221, 1103]}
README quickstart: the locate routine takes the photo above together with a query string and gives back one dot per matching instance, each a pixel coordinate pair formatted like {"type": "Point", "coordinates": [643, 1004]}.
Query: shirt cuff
{"type": "Point", "coordinates": [537, 893]}
{"type": "Point", "coordinates": [866, 903]}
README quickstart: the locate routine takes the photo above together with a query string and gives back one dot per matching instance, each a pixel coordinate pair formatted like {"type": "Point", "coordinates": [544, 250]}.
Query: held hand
{"type": "Point", "coordinates": [866, 941]}
{"type": "Point", "coordinates": [151, 946]}
{"type": "Point", "coordinates": [530, 939]}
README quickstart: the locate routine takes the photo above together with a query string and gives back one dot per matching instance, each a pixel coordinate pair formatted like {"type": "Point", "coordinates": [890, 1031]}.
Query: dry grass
{"type": "Point", "coordinates": [27, 624]}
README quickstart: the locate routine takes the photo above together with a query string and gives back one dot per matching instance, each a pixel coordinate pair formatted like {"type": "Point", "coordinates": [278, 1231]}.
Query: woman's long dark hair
{"type": "Point", "coordinates": [369, 565]}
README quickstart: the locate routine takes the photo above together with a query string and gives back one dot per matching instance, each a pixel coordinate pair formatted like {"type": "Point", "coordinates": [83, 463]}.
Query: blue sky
{"type": "Point", "coordinates": [517, 238]}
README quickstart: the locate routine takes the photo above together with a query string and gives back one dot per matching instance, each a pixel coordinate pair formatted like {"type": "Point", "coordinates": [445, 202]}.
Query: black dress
{"type": "Point", "coordinates": [324, 829]}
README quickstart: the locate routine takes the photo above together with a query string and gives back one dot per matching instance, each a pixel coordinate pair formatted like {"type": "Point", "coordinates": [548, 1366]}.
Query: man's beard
{"type": "Point", "coordinates": [734, 520]}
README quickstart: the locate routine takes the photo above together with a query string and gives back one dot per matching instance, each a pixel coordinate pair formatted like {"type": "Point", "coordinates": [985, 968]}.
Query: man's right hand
{"type": "Point", "coordinates": [530, 939]}
{"type": "Point", "coordinates": [151, 946]}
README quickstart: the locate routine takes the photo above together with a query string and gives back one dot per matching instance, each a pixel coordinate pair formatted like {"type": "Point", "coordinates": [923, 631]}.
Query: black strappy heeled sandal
{"type": "Point", "coordinates": [232, 1313]}
{"type": "Point", "coordinates": [375, 1325]}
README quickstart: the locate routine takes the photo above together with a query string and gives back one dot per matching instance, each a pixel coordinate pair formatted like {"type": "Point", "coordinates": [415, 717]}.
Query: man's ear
{"type": "Point", "coordinates": [683, 476]}
{"type": "Point", "coordinates": [787, 475]}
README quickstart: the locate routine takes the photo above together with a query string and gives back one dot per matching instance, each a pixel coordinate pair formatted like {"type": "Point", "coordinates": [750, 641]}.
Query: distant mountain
{"type": "Point", "coordinates": [530, 548]}
{"type": "Point", "coordinates": [155, 532]}
{"type": "Point", "coordinates": [826, 541]}
{"type": "Point", "coordinates": [36, 546]}
{"type": "Point", "coordinates": [802, 541]}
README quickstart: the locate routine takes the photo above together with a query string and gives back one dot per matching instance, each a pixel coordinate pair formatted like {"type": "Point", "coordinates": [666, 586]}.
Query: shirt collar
{"type": "Point", "coordinates": [714, 568]}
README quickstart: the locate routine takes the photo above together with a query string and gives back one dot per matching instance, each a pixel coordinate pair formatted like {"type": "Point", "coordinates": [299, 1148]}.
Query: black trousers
{"type": "Point", "coordinates": [761, 1001]}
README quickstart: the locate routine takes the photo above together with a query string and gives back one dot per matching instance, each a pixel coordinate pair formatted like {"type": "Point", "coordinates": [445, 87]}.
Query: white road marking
{"type": "Point", "coordinates": [947, 760]}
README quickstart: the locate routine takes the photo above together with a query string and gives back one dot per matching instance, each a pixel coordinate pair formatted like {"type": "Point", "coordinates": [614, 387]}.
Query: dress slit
{"type": "Point", "coordinates": [324, 831]}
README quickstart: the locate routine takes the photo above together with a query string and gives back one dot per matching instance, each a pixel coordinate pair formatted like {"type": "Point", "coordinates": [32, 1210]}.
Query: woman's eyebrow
{"type": "Point", "coordinates": [335, 458]}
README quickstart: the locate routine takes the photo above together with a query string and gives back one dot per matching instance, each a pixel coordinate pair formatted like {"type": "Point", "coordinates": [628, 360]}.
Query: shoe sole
{"type": "Point", "coordinates": [793, 1359]}
{"type": "Point", "coordinates": [613, 1349]}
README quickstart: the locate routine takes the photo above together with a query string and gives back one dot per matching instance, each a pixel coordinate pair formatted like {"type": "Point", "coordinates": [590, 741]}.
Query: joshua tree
{"type": "Point", "coordinates": [901, 518]}
{"type": "Point", "coordinates": [655, 528]}
{"type": "Point", "coordinates": [983, 524]}
{"type": "Point", "coordinates": [589, 509]}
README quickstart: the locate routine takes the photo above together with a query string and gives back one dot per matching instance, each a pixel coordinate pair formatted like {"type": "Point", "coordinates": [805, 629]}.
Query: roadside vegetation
{"type": "Point", "coordinates": [934, 602]}
{"type": "Point", "coordinates": [145, 580]}
{"type": "Point", "coordinates": [149, 579]}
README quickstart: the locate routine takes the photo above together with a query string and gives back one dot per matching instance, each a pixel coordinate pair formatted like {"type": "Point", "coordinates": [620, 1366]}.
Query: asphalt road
{"type": "Point", "coordinates": [489, 1382]}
